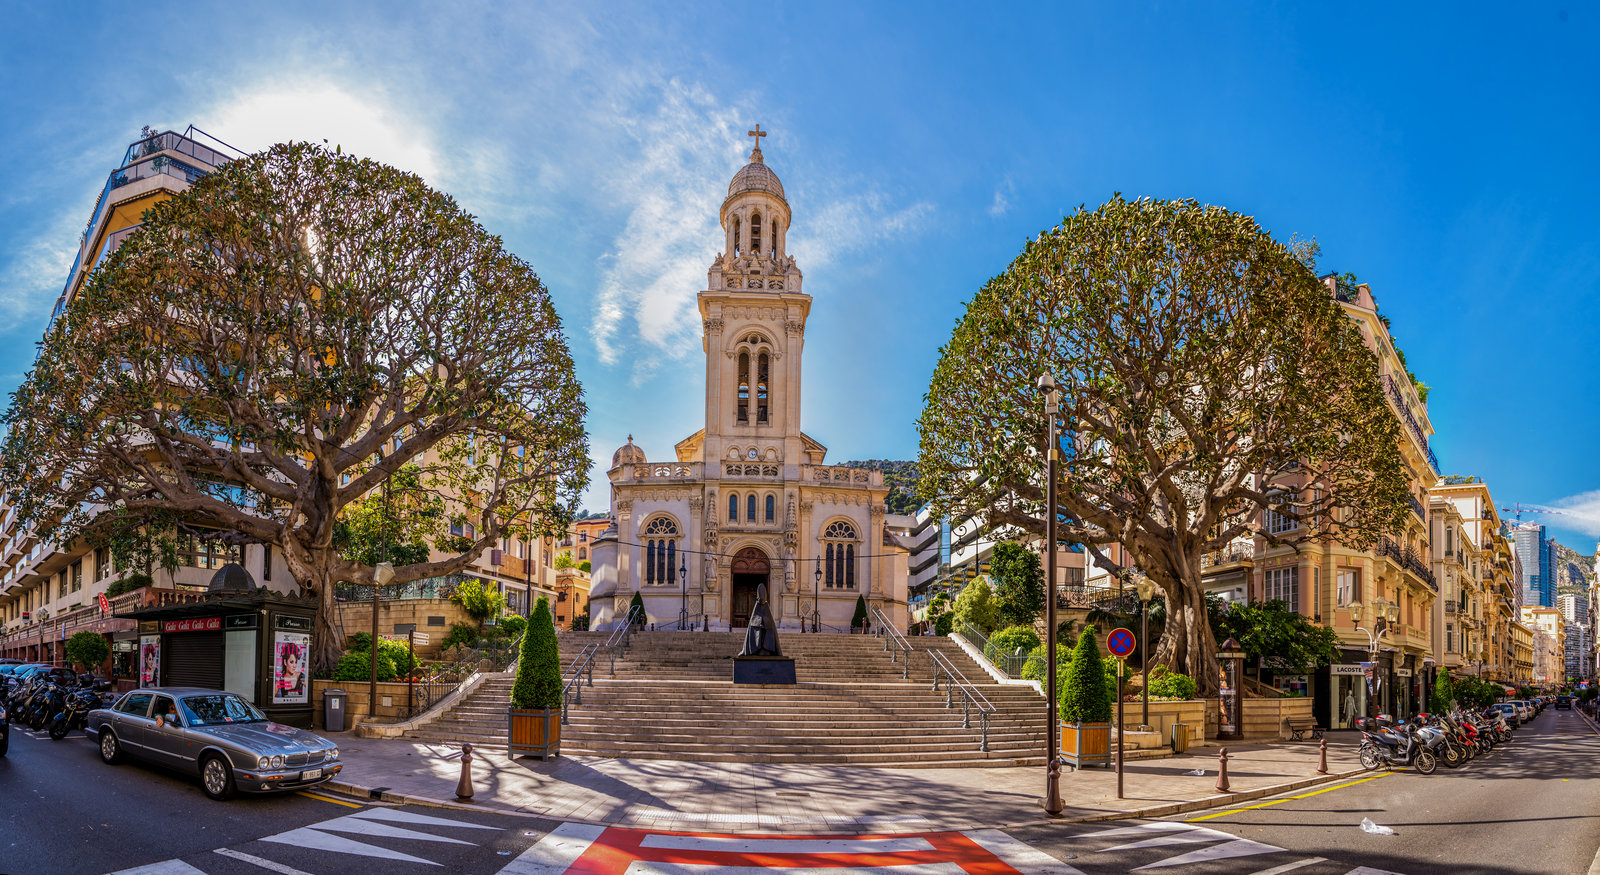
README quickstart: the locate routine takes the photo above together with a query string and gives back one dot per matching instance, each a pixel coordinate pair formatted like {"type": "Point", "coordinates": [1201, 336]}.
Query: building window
{"type": "Point", "coordinates": [743, 409]}
{"type": "Point", "coordinates": [583, 537]}
{"type": "Point", "coordinates": [196, 553]}
{"type": "Point", "coordinates": [736, 235]}
{"type": "Point", "coordinates": [661, 551]}
{"type": "Point", "coordinates": [1277, 523]}
{"type": "Point", "coordinates": [763, 367]}
{"type": "Point", "coordinates": [733, 508]}
{"type": "Point", "coordinates": [774, 238]}
{"type": "Point", "coordinates": [583, 553]}
{"type": "Point", "coordinates": [1283, 584]}
{"type": "Point", "coordinates": [1349, 587]}
{"type": "Point", "coordinates": [839, 556]}
{"type": "Point", "coordinates": [750, 508]}
{"type": "Point", "coordinates": [102, 563]}
{"type": "Point", "coordinates": [755, 233]}
{"type": "Point", "coordinates": [772, 508]}
{"type": "Point", "coordinates": [77, 575]}
{"type": "Point", "coordinates": [266, 561]}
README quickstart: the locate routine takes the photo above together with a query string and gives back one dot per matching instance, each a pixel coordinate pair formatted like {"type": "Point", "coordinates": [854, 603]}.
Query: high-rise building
{"type": "Point", "coordinates": [1575, 608]}
{"type": "Point", "coordinates": [1537, 552]}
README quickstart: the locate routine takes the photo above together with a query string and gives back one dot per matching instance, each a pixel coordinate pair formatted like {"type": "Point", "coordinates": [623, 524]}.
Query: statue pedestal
{"type": "Point", "coordinates": [763, 670]}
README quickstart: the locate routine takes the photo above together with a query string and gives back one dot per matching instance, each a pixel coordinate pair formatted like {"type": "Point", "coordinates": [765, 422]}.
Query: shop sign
{"type": "Point", "coordinates": [193, 624]}
{"type": "Point", "coordinates": [1349, 668]}
{"type": "Point", "coordinates": [289, 622]}
{"type": "Point", "coordinates": [149, 625]}
{"type": "Point", "coordinates": [240, 621]}
{"type": "Point", "coordinates": [1402, 672]}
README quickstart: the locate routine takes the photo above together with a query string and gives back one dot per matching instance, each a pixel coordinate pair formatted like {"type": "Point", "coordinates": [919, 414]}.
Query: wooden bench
{"type": "Point", "coordinates": [1299, 726]}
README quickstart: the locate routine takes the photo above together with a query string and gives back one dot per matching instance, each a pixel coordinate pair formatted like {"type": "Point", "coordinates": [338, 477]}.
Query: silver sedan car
{"type": "Point", "coordinates": [215, 734]}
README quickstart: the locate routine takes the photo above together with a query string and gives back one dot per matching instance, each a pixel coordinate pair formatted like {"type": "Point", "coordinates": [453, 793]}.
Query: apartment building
{"type": "Point", "coordinates": [1477, 583]}
{"type": "Point", "coordinates": [1537, 551]}
{"type": "Point", "coordinates": [1574, 609]}
{"type": "Point", "coordinates": [1549, 643]}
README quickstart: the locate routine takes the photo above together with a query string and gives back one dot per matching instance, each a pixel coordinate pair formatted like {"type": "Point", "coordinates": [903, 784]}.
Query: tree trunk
{"type": "Point", "coordinates": [1187, 644]}
{"type": "Point", "coordinates": [327, 645]}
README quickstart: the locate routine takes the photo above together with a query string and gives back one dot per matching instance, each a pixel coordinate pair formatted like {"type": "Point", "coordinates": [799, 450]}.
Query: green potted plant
{"type": "Point", "coordinates": [859, 621]}
{"type": "Point", "coordinates": [636, 610]}
{"type": "Point", "coordinates": [1085, 707]}
{"type": "Point", "coordinates": [534, 717]}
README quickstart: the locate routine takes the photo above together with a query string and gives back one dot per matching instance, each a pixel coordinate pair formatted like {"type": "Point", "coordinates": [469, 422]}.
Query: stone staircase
{"type": "Point", "coordinates": [672, 697]}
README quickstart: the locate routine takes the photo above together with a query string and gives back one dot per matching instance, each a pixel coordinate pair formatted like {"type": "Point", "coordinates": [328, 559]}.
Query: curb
{"type": "Point", "coordinates": [1165, 810]}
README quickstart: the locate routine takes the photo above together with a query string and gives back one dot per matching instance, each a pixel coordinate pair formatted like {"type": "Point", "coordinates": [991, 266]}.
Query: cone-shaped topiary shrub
{"type": "Point", "coordinates": [636, 607]}
{"type": "Point", "coordinates": [1084, 697]}
{"type": "Point", "coordinates": [538, 682]}
{"type": "Point", "coordinates": [859, 621]}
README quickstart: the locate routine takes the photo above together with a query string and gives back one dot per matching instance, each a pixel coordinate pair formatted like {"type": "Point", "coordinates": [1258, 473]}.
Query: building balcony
{"type": "Point", "coordinates": [1398, 398]}
{"type": "Point", "coordinates": [1409, 560]}
{"type": "Point", "coordinates": [1235, 554]}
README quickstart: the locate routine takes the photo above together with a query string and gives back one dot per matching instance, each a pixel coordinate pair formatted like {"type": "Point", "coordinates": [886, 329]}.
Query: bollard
{"type": "Point", "coordinates": [1222, 770]}
{"type": "Point", "coordinates": [1322, 765]}
{"type": "Point", "coordinates": [464, 786]}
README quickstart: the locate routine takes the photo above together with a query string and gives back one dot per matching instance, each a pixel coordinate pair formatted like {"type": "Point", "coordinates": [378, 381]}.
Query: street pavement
{"type": "Point", "coordinates": [1526, 808]}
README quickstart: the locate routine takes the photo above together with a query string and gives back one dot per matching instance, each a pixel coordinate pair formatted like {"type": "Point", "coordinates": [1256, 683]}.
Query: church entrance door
{"type": "Point", "coordinates": [750, 569]}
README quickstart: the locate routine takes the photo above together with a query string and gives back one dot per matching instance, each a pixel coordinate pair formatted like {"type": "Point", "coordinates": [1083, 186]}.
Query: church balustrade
{"type": "Point", "coordinates": [748, 469]}
{"type": "Point", "coordinates": [841, 474]}
{"type": "Point", "coordinates": [668, 471]}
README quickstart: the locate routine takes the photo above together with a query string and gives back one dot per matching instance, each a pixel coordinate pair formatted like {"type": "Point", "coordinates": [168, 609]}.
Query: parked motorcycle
{"type": "Point", "coordinates": [1382, 743]}
{"type": "Point", "coordinates": [75, 712]}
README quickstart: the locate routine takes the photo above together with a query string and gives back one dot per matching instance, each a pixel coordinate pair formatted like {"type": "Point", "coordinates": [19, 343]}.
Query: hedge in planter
{"type": "Point", "coordinates": [535, 713]}
{"type": "Point", "coordinates": [636, 608]}
{"type": "Point", "coordinates": [1086, 706]}
{"type": "Point", "coordinates": [859, 621]}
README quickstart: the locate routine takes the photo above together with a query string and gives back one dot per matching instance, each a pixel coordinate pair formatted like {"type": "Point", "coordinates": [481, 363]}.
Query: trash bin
{"type": "Point", "coordinates": [1180, 738]}
{"type": "Point", "coordinates": [333, 708]}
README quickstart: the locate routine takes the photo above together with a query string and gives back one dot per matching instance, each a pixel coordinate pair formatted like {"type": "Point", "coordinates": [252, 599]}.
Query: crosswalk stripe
{"type": "Point", "coordinates": [1018, 855]}
{"type": "Point", "coordinates": [1290, 867]}
{"type": "Point", "coordinates": [253, 860]}
{"type": "Point", "coordinates": [1225, 851]}
{"type": "Point", "coordinates": [399, 816]}
{"type": "Point", "coordinates": [556, 852]}
{"type": "Point", "coordinates": [165, 867]}
{"type": "Point", "coordinates": [650, 868]}
{"type": "Point", "coordinates": [306, 837]}
{"type": "Point", "coordinates": [765, 845]}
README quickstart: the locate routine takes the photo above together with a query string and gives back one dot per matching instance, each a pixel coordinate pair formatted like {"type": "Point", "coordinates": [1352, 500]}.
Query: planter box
{"type": "Point", "coordinates": [533, 732]}
{"type": "Point", "coordinates": [1164, 714]}
{"type": "Point", "coordinates": [1086, 744]}
{"type": "Point", "coordinates": [1262, 719]}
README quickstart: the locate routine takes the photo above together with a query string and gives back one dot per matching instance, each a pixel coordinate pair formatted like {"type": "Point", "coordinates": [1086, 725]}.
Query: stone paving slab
{"type": "Point", "coordinates": [733, 797]}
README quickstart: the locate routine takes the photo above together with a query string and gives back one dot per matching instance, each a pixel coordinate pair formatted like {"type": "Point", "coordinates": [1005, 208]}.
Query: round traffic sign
{"type": "Point", "coordinates": [1120, 643]}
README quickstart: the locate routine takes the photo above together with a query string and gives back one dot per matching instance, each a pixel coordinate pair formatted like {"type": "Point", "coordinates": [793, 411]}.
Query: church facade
{"type": "Point", "coordinates": [748, 500]}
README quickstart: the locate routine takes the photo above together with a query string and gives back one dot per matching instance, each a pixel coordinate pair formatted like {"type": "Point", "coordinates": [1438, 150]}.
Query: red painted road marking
{"type": "Point", "coordinates": [580, 850]}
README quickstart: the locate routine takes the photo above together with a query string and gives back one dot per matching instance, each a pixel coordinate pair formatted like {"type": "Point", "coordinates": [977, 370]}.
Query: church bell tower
{"type": "Point", "coordinates": [754, 318]}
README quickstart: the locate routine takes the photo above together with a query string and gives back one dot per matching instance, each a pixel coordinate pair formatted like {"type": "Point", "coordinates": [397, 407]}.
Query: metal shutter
{"type": "Point", "coordinates": [193, 659]}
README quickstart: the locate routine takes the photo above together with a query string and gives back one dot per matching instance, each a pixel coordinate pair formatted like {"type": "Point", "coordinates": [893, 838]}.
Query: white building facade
{"type": "Point", "coordinates": [748, 500]}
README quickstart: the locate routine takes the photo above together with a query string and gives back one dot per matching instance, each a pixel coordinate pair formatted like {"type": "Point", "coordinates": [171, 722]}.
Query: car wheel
{"type": "Point", "coordinates": [217, 778]}
{"type": "Point", "coordinates": [110, 750]}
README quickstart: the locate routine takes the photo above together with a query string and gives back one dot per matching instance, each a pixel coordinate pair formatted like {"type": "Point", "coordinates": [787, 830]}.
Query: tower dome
{"type": "Point", "coordinates": [627, 454]}
{"type": "Point", "coordinates": [755, 176]}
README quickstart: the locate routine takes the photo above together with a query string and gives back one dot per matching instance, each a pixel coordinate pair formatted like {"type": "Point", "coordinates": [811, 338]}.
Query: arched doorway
{"type": "Point", "coordinates": [750, 569]}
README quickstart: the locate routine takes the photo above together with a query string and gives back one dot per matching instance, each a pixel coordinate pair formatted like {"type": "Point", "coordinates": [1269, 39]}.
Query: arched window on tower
{"type": "Point", "coordinates": [660, 551]}
{"type": "Point", "coordinates": [743, 412]}
{"type": "Point", "coordinates": [772, 508]}
{"type": "Point", "coordinates": [774, 238]}
{"type": "Point", "coordinates": [839, 556]}
{"type": "Point", "coordinates": [733, 508]}
{"type": "Point", "coordinates": [750, 508]}
{"type": "Point", "coordinates": [755, 233]}
{"type": "Point", "coordinates": [762, 376]}
{"type": "Point", "coordinates": [735, 235]}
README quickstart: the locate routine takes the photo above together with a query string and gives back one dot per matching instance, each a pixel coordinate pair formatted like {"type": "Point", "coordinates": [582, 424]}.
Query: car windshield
{"type": "Point", "coordinates": [219, 709]}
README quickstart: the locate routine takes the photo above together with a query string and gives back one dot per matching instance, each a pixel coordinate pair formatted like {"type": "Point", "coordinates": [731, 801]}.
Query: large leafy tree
{"type": "Point", "coordinates": [280, 339]}
{"type": "Point", "coordinates": [1283, 639]}
{"type": "Point", "coordinates": [1018, 583]}
{"type": "Point", "coordinates": [1206, 376]}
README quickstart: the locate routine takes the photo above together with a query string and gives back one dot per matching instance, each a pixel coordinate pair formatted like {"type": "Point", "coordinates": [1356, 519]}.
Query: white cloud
{"type": "Point", "coordinates": [1580, 512]}
{"type": "Point", "coordinates": [841, 227]}
{"type": "Point", "coordinates": [35, 272]}
{"type": "Point", "coordinates": [1002, 198]}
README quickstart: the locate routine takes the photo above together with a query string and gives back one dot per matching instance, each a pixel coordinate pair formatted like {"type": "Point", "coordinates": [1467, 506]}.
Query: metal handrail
{"type": "Point", "coordinates": [891, 636]}
{"type": "Point", "coordinates": [434, 687]}
{"type": "Point", "coordinates": [571, 689]}
{"type": "Point", "coordinates": [620, 636]}
{"type": "Point", "coordinates": [1008, 664]}
{"type": "Point", "coordinates": [971, 696]}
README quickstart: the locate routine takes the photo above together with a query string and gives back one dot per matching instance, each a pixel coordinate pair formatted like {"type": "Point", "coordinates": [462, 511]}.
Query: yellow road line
{"type": "Point", "coordinates": [328, 799]}
{"type": "Point", "coordinates": [1289, 798]}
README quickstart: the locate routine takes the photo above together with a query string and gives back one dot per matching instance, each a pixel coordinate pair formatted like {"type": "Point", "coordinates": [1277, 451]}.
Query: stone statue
{"type": "Point", "coordinates": [761, 637]}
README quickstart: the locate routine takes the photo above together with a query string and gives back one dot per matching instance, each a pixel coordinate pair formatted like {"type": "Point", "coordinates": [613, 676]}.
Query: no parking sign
{"type": "Point", "coordinates": [1120, 643]}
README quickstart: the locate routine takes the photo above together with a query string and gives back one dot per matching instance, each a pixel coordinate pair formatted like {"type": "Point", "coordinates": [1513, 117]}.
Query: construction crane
{"type": "Point", "coordinates": [1519, 509]}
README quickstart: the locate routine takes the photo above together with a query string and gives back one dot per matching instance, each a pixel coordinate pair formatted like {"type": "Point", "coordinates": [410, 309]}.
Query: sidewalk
{"type": "Point", "coordinates": [733, 797]}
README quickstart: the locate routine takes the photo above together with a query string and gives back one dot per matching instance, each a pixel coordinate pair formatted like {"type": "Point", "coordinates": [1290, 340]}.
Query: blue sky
{"type": "Point", "coordinates": [1445, 154]}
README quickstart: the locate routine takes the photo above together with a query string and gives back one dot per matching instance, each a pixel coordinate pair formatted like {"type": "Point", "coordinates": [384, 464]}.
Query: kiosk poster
{"type": "Point", "coordinates": [149, 660]}
{"type": "Point", "coordinates": [290, 650]}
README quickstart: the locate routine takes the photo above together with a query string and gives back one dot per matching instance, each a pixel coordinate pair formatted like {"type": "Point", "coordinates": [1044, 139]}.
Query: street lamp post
{"type": "Point", "coordinates": [1147, 589]}
{"type": "Point", "coordinates": [1383, 613]}
{"type": "Point", "coordinates": [683, 605]}
{"type": "Point", "coordinates": [1052, 774]}
{"type": "Point", "coordinates": [816, 598]}
{"type": "Point", "coordinates": [382, 573]}
{"type": "Point", "coordinates": [527, 571]}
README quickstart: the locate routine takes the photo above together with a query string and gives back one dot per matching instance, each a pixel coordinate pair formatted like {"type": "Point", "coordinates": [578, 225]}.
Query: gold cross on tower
{"type": "Point", "coordinates": [758, 133]}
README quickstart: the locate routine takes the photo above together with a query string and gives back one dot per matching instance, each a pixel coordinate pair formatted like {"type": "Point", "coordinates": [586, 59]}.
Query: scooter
{"type": "Point", "coordinates": [1398, 746]}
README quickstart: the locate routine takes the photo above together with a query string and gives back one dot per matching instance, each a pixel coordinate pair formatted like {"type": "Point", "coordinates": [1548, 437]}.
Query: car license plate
{"type": "Point", "coordinates": [308, 775]}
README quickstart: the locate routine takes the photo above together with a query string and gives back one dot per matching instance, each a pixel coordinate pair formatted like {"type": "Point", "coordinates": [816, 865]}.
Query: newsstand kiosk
{"type": "Point", "coordinates": [235, 637]}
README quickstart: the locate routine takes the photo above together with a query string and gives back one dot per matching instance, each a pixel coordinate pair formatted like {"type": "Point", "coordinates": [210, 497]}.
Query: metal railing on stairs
{"type": "Point", "coordinates": [971, 696]}
{"type": "Point", "coordinates": [433, 687]}
{"type": "Point", "coordinates": [1008, 664]}
{"type": "Point", "coordinates": [583, 667]}
{"type": "Point", "coordinates": [894, 643]}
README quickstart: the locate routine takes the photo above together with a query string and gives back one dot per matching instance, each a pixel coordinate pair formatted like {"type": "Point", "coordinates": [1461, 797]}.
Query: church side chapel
{"type": "Point", "coordinates": [748, 501]}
